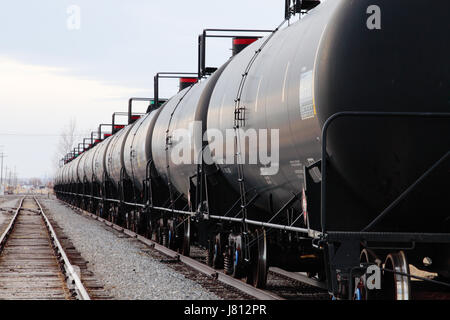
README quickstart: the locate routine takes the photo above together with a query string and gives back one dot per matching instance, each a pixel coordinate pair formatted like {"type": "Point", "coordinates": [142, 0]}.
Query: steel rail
{"type": "Point", "coordinates": [299, 277]}
{"type": "Point", "coordinates": [203, 268]}
{"type": "Point", "coordinates": [80, 290]}
{"type": "Point", "coordinates": [11, 224]}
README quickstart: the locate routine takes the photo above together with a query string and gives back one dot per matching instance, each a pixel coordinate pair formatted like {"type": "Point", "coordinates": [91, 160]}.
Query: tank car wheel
{"type": "Point", "coordinates": [238, 271]}
{"type": "Point", "coordinates": [105, 211]}
{"type": "Point", "coordinates": [210, 252]}
{"type": "Point", "coordinates": [228, 260]}
{"type": "Point", "coordinates": [110, 214]}
{"type": "Point", "coordinates": [186, 237]}
{"type": "Point", "coordinates": [160, 234]}
{"type": "Point", "coordinates": [233, 259]}
{"type": "Point", "coordinates": [257, 275]}
{"type": "Point", "coordinates": [94, 205]}
{"type": "Point", "coordinates": [149, 228]}
{"type": "Point", "coordinates": [122, 216]}
{"type": "Point", "coordinates": [141, 223]}
{"type": "Point", "coordinates": [98, 212]}
{"type": "Point", "coordinates": [162, 237]}
{"type": "Point", "coordinates": [132, 220]}
{"type": "Point", "coordinates": [171, 235]}
{"type": "Point", "coordinates": [163, 234]}
{"type": "Point", "coordinates": [217, 255]}
{"type": "Point", "coordinates": [234, 262]}
{"type": "Point", "coordinates": [127, 221]}
{"type": "Point", "coordinates": [396, 286]}
{"type": "Point", "coordinates": [361, 292]}
{"type": "Point", "coordinates": [136, 221]}
{"type": "Point", "coordinates": [115, 215]}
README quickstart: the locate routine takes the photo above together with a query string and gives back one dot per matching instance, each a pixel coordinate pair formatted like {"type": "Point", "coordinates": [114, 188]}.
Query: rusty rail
{"type": "Point", "coordinates": [10, 226]}
{"type": "Point", "coordinates": [62, 263]}
{"type": "Point", "coordinates": [73, 277]}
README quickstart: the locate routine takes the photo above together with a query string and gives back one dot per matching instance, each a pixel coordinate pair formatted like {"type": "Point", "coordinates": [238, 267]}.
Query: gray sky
{"type": "Point", "coordinates": [50, 74]}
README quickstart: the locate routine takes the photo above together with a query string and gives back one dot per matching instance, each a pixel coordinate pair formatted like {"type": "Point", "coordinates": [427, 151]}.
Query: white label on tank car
{"type": "Point", "coordinates": [306, 95]}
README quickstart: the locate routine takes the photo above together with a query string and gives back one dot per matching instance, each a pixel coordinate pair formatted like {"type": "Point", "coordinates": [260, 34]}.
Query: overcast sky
{"type": "Point", "coordinates": [52, 71]}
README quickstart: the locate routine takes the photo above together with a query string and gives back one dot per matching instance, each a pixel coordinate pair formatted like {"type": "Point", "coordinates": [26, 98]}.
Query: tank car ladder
{"type": "Point", "coordinates": [239, 121]}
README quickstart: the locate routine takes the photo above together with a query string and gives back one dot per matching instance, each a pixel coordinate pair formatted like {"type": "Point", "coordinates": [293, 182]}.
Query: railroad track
{"type": "Point", "coordinates": [295, 286]}
{"type": "Point", "coordinates": [33, 263]}
{"type": "Point", "coordinates": [282, 285]}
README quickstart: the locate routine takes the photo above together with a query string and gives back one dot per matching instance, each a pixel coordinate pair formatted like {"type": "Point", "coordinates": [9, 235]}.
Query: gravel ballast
{"type": "Point", "coordinates": [119, 262]}
{"type": "Point", "coordinates": [10, 203]}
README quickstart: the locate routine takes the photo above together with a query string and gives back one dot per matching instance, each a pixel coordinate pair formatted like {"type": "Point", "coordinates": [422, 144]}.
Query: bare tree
{"type": "Point", "coordinates": [66, 141]}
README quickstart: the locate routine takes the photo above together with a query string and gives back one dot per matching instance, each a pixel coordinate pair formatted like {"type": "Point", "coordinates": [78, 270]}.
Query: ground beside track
{"type": "Point", "coordinates": [7, 203]}
{"type": "Point", "coordinates": [121, 263]}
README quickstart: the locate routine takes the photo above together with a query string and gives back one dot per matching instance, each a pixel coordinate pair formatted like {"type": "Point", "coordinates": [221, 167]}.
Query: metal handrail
{"type": "Point", "coordinates": [217, 217]}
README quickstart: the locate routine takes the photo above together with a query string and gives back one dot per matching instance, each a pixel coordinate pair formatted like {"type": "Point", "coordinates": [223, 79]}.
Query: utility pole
{"type": "Point", "coordinates": [2, 155]}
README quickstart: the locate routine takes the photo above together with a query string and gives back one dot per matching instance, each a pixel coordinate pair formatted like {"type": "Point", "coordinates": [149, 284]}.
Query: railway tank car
{"type": "Point", "coordinates": [99, 161]}
{"type": "Point", "coordinates": [88, 169]}
{"type": "Point", "coordinates": [332, 62]}
{"type": "Point", "coordinates": [179, 112]}
{"type": "Point", "coordinates": [378, 94]}
{"type": "Point", "coordinates": [183, 115]}
{"type": "Point", "coordinates": [137, 152]}
{"type": "Point", "coordinates": [305, 74]}
{"type": "Point", "coordinates": [115, 155]}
